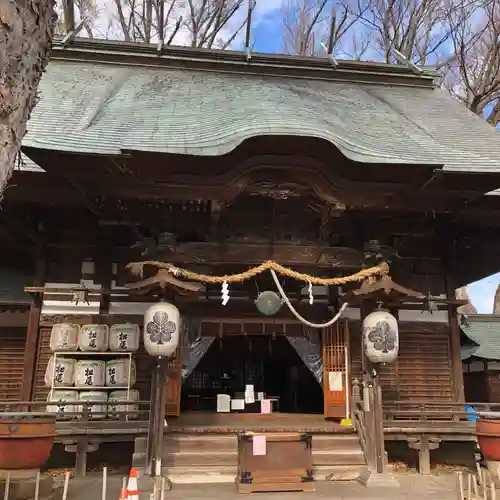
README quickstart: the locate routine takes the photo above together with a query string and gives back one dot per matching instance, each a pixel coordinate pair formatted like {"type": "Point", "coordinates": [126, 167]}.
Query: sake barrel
{"type": "Point", "coordinates": [60, 372]}
{"type": "Point", "coordinates": [93, 338]}
{"type": "Point", "coordinates": [117, 396]}
{"type": "Point", "coordinates": [90, 373]}
{"type": "Point", "coordinates": [124, 337]}
{"type": "Point", "coordinates": [64, 337]}
{"type": "Point", "coordinates": [117, 372]}
{"type": "Point", "coordinates": [96, 408]}
{"type": "Point", "coordinates": [61, 396]}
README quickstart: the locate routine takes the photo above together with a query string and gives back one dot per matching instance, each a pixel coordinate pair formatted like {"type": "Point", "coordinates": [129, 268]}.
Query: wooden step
{"type": "Point", "coordinates": [203, 443]}
{"type": "Point", "coordinates": [338, 457]}
{"type": "Point", "coordinates": [227, 474]}
{"type": "Point", "coordinates": [338, 472]}
{"type": "Point", "coordinates": [201, 458]}
{"type": "Point", "coordinates": [330, 441]}
{"type": "Point", "coordinates": [201, 475]}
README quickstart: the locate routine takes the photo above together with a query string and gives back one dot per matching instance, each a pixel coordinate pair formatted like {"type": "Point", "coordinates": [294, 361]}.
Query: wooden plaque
{"type": "Point", "coordinates": [285, 466]}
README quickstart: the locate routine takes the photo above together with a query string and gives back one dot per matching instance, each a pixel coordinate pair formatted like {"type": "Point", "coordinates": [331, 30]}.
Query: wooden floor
{"type": "Point", "coordinates": [208, 422]}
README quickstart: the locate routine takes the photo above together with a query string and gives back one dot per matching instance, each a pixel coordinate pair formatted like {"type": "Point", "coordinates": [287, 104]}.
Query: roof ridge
{"type": "Point", "coordinates": [133, 53]}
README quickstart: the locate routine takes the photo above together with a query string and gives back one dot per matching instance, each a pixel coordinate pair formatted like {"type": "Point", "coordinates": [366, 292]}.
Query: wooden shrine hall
{"type": "Point", "coordinates": [215, 164]}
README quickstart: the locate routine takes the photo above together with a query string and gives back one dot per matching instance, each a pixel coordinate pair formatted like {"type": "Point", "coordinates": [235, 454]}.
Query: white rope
{"type": "Point", "coordinates": [297, 315]}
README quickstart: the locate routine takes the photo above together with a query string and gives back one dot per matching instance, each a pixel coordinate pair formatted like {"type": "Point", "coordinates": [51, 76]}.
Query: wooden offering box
{"type": "Point", "coordinates": [274, 462]}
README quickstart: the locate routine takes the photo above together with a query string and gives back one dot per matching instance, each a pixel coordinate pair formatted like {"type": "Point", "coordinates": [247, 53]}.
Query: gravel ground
{"type": "Point", "coordinates": [412, 487]}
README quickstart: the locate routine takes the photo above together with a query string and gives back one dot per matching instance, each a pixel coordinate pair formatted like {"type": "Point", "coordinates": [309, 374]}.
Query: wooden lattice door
{"type": "Point", "coordinates": [174, 384]}
{"type": "Point", "coordinates": [334, 371]}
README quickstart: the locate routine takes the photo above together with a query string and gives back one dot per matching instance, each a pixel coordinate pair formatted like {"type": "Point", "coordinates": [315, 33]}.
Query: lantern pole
{"type": "Point", "coordinates": [156, 419]}
{"type": "Point", "coordinates": [161, 339]}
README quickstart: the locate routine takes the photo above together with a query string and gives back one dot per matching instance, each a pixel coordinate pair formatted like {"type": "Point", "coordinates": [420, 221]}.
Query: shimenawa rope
{"type": "Point", "coordinates": [137, 268]}
{"type": "Point", "coordinates": [297, 315]}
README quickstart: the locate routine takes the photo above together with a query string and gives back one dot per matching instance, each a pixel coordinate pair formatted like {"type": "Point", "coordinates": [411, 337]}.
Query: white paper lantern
{"type": "Point", "coordinates": [117, 396]}
{"type": "Point", "coordinates": [161, 329]}
{"type": "Point", "coordinates": [93, 338]}
{"type": "Point", "coordinates": [64, 337]}
{"type": "Point", "coordinates": [90, 373]}
{"type": "Point", "coordinates": [124, 338]}
{"type": "Point", "coordinates": [61, 396]}
{"type": "Point", "coordinates": [95, 408]}
{"type": "Point", "coordinates": [117, 372]}
{"type": "Point", "coordinates": [59, 373]}
{"type": "Point", "coordinates": [381, 337]}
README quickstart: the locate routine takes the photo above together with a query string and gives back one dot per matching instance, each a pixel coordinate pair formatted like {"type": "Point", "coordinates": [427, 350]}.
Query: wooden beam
{"type": "Point", "coordinates": [251, 254]}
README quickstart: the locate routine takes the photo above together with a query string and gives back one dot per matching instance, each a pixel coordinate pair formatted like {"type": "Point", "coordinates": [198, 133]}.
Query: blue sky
{"type": "Point", "coordinates": [482, 293]}
{"type": "Point", "coordinates": [267, 33]}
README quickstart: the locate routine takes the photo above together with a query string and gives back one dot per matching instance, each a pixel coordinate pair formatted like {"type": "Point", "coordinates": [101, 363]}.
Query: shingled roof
{"type": "Point", "coordinates": [483, 333]}
{"type": "Point", "coordinates": [107, 102]}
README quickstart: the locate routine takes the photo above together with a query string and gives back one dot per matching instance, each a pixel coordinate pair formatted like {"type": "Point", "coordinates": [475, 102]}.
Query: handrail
{"type": "Point", "coordinates": [432, 410]}
{"type": "Point", "coordinates": [85, 411]}
{"type": "Point", "coordinates": [360, 426]}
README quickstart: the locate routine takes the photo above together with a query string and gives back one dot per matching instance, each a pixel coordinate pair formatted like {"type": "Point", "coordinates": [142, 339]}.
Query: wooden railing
{"type": "Point", "coordinates": [433, 410]}
{"type": "Point", "coordinates": [360, 424]}
{"type": "Point", "coordinates": [85, 424]}
{"type": "Point", "coordinates": [85, 410]}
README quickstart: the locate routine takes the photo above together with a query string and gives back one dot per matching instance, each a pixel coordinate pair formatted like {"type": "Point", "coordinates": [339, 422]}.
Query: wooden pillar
{"type": "Point", "coordinates": [32, 333]}
{"type": "Point", "coordinates": [424, 445]}
{"type": "Point", "coordinates": [154, 451]}
{"type": "Point", "coordinates": [31, 348]}
{"type": "Point", "coordinates": [456, 360]}
{"type": "Point", "coordinates": [372, 380]}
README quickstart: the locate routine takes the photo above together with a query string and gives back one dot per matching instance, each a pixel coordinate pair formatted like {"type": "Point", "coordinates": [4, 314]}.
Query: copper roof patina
{"type": "Point", "coordinates": [482, 333]}
{"type": "Point", "coordinates": [109, 98]}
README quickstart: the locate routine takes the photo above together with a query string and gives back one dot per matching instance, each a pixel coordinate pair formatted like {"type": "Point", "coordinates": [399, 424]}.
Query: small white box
{"type": "Point", "coordinates": [223, 403]}
{"type": "Point", "coordinates": [237, 404]}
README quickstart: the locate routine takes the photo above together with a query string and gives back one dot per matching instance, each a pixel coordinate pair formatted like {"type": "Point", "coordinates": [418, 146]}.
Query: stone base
{"type": "Point", "coordinates": [24, 488]}
{"type": "Point", "coordinates": [18, 473]}
{"type": "Point", "coordinates": [372, 479]}
{"type": "Point", "coordinates": [146, 484]}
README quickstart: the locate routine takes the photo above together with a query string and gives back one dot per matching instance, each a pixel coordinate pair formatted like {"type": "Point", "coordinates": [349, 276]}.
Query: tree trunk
{"type": "Point", "coordinates": [462, 294]}
{"type": "Point", "coordinates": [496, 302]}
{"type": "Point", "coordinates": [26, 29]}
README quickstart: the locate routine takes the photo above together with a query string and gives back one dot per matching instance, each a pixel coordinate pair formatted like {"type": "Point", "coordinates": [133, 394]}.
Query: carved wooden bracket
{"type": "Point", "coordinates": [160, 282]}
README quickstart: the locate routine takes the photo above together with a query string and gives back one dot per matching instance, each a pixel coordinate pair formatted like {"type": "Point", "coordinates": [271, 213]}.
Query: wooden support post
{"type": "Point", "coordinates": [82, 448]}
{"type": "Point", "coordinates": [378, 424]}
{"type": "Point", "coordinates": [424, 445]}
{"type": "Point", "coordinates": [372, 380]}
{"type": "Point", "coordinates": [30, 348]}
{"type": "Point", "coordinates": [456, 360]}
{"type": "Point", "coordinates": [154, 449]}
{"type": "Point", "coordinates": [32, 332]}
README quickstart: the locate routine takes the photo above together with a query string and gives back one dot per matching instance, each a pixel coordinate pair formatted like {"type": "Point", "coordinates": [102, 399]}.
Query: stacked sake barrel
{"type": "Point", "coordinates": [92, 378]}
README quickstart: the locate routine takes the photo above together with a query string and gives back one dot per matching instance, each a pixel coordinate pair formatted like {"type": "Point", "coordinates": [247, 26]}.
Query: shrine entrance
{"type": "Point", "coordinates": [268, 364]}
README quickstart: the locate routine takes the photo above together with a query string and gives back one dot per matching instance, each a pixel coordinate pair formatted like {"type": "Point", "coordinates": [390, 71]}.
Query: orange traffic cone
{"type": "Point", "coordinates": [123, 494]}
{"type": "Point", "coordinates": [132, 487]}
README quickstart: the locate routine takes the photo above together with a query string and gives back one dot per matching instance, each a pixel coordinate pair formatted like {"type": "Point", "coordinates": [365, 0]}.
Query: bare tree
{"type": "Point", "coordinates": [308, 23]}
{"type": "Point", "coordinates": [196, 23]}
{"type": "Point", "coordinates": [474, 70]}
{"type": "Point", "coordinates": [85, 9]}
{"type": "Point", "coordinates": [26, 30]}
{"type": "Point", "coordinates": [208, 19]}
{"type": "Point", "coordinates": [418, 29]}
